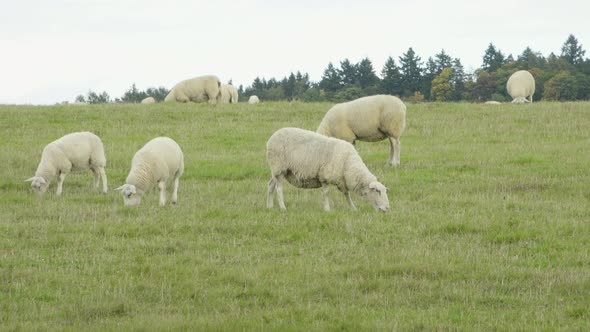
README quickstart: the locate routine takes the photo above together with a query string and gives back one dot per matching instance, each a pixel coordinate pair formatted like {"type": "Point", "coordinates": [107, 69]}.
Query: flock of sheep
{"type": "Point", "coordinates": [304, 158]}
{"type": "Point", "coordinates": [200, 89]}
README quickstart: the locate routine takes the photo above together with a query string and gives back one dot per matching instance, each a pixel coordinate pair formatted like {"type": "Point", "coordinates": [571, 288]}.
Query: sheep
{"type": "Point", "coordinates": [73, 152]}
{"type": "Point", "coordinates": [197, 89]}
{"type": "Point", "coordinates": [253, 100]}
{"type": "Point", "coordinates": [157, 161]}
{"type": "Point", "coordinates": [310, 160]}
{"type": "Point", "coordinates": [370, 119]}
{"type": "Point", "coordinates": [520, 86]}
{"type": "Point", "coordinates": [149, 100]}
{"type": "Point", "coordinates": [492, 102]}
{"type": "Point", "coordinates": [229, 94]}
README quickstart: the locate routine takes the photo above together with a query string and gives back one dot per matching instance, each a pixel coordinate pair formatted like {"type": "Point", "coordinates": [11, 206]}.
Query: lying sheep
{"type": "Point", "coordinates": [149, 100]}
{"type": "Point", "coordinates": [157, 161]}
{"type": "Point", "coordinates": [310, 160]}
{"type": "Point", "coordinates": [198, 89]}
{"type": "Point", "coordinates": [370, 119]}
{"type": "Point", "coordinates": [253, 100]}
{"type": "Point", "coordinates": [520, 86]}
{"type": "Point", "coordinates": [229, 94]}
{"type": "Point", "coordinates": [492, 102]}
{"type": "Point", "coordinates": [73, 152]}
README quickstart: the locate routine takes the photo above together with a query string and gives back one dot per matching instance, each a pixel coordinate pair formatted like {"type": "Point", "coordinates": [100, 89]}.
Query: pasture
{"type": "Point", "coordinates": [489, 227]}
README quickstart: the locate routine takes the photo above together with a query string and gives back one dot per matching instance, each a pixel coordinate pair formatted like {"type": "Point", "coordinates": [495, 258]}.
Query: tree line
{"type": "Point", "coordinates": [439, 78]}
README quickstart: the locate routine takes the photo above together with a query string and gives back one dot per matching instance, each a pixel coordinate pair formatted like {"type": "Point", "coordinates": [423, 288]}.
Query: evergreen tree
{"type": "Point", "coordinates": [442, 61]}
{"type": "Point", "coordinates": [492, 59]}
{"type": "Point", "coordinates": [289, 86]}
{"type": "Point", "coordinates": [571, 51]}
{"type": "Point", "coordinates": [430, 72]}
{"type": "Point", "coordinates": [530, 59]}
{"type": "Point", "coordinates": [159, 94]}
{"type": "Point", "coordinates": [411, 72]}
{"type": "Point", "coordinates": [302, 84]}
{"type": "Point", "coordinates": [458, 79]}
{"type": "Point", "coordinates": [133, 95]}
{"type": "Point", "coordinates": [366, 74]}
{"type": "Point", "coordinates": [331, 81]}
{"type": "Point", "coordinates": [80, 99]}
{"type": "Point", "coordinates": [391, 82]}
{"type": "Point", "coordinates": [94, 98]}
{"type": "Point", "coordinates": [348, 72]}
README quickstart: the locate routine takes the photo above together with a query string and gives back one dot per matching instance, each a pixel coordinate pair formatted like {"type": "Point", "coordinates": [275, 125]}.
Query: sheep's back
{"type": "Point", "coordinates": [521, 84]}
{"type": "Point", "coordinates": [164, 156]}
{"type": "Point", "coordinates": [80, 149]}
{"type": "Point", "coordinates": [306, 154]}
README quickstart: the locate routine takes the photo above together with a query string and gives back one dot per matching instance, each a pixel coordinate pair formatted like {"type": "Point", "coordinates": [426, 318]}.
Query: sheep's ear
{"type": "Point", "coordinates": [372, 185]}
{"type": "Point", "coordinates": [120, 188]}
{"type": "Point", "coordinates": [30, 179]}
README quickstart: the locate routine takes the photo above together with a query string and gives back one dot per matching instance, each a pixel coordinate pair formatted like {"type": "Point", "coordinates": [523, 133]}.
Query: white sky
{"type": "Point", "coordinates": [52, 51]}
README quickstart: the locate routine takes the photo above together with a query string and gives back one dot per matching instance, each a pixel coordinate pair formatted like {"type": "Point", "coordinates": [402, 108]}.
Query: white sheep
{"type": "Point", "coordinates": [148, 100]}
{"type": "Point", "coordinates": [157, 161]}
{"type": "Point", "coordinates": [492, 102]}
{"type": "Point", "coordinates": [310, 160]}
{"type": "Point", "coordinates": [371, 119]}
{"type": "Point", "coordinates": [520, 86]}
{"type": "Point", "coordinates": [253, 100]}
{"type": "Point", "coordinates": [197, 89]}
{"type": "Point", "coordinates": [229, 94]}
{"type": "Point", "coordinates": [73, 152]}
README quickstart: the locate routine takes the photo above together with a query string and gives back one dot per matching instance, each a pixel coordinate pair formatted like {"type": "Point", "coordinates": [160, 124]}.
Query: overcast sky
{"type": "Point", "coordinates": [52, 51]}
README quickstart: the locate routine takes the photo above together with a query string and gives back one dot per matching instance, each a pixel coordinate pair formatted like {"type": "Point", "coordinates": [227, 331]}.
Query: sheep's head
{"type": "Point", "coordinates": [130, 195]}
{"type": "Point", "coordinates": [520, 100]}
{"type": "Point", "coordinates": [39, 184]}
{"type": "Point", "coordinates": [376, 194]}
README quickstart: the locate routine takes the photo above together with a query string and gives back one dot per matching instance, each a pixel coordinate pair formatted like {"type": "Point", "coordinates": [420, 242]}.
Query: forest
{"type": "Point", "coordinates": [441, 78]}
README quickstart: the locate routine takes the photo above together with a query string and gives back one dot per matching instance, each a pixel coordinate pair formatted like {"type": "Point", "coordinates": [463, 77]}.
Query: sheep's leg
{"type": "Point", "coordinates": [103, 175]}
{"type": "Point", "coordinates": [279, 189]}
{"type": "Point", "coordinates": [96, 177]}
{"type": "Point", "coordinates": [531, 99]}
{"type": "Point", "coordinates": [270, 194]}
{"type": "Point", "coordinates": [325, 190]}
{"type": "Point", "coordinates": [394, 152]}
{"type": "Point", "coordinates": [213, 101]}
{"type": "Point", "coordinates": [60, 183]}
{"type": "Point", "coordinates": [175, 191]}
{"type": "Point", "coordinates": [162, 186]}
{"type": "Point", "coordinates": [349, 200]}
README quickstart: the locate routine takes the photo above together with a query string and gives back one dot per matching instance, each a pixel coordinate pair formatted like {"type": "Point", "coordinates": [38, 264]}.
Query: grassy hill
{"type": "Point", "coordinates": [489, 225]}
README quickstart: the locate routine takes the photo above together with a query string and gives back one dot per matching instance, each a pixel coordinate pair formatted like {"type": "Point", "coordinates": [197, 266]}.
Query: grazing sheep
{"type": "Point", "coordinates": [157, 161]}
{"type": "Point", "coordinates": [492, 102]}
{"type": "Point", "coordinates": [520, 86]}
{"type": "Point", "coordinates": [370, 119]}
{"type": "Point", "coordinates": [310, 160]}
{"type": "Point", "coordinates": [229, 94]}
{"type": "Point", "coordinates": [73, 152]}
{"type": "Point", "coordinates": [198, 89]}
{"type": "Point", "coordinates": [149, 100]}
{"type": "Point", "coordinates": [253, 100]}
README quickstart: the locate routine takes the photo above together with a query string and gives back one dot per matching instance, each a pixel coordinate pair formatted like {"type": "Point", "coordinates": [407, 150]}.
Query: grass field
{"type": "Point", "coordinates": [489, 227]}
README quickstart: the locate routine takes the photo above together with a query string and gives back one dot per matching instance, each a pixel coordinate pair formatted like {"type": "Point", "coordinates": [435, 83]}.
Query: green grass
{"type": "Point", "coordinates": [489, 228]}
